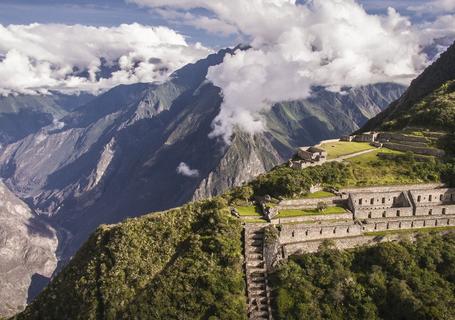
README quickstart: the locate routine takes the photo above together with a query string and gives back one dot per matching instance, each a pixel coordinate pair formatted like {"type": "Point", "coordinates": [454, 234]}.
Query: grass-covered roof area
{"type": "Point", "coordinates": [286, 213]}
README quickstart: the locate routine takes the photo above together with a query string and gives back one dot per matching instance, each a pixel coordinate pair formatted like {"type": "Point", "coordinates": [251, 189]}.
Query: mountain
{"type": "Point", "coordinates": [27, 253]}
{"type": "Point", "coordinates": [21, 115]}
{"type": "Point", "coordinates": [117, 156]}
{"type": "Point", "coordinates": [182, 264]}
{"type": "Point", "coordinates": [429, 101]}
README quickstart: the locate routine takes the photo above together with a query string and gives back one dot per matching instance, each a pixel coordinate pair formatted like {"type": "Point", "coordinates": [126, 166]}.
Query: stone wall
{"type": "Point", "coordinates": [419, 150]}
{"type": "Point", "coordinates": [322, 218]}
{"type": "Point", "coordinates": [387, 136]}
{"type": "Point", "coordinates": [291, 233]}
{"type": "Point", "coordinates": [401, 187]}
{"type": "Point", "coordinates": [305, 203]}
{"type": "Point", "coordinates": [439, 196]}
{"type": "Point", "coordinates": [435, 210]}
{"type": "Point", "coordinates": [301, 242]}
{"type": "Point", "coordinates": [383, 213]}
{"type": "Point", "coordinates": [368, 200]}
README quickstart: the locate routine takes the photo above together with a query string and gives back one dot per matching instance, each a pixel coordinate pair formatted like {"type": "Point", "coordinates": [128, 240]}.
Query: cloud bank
{"type": "Point", "coordinates": [186, 171]}
{"type": "Point", "coordinates": [295, 46]}
{"type": "Point", "coordinates": [37, 58]}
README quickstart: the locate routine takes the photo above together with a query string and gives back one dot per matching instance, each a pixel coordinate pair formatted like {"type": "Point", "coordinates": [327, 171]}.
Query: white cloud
{"type": "Point", "coordinates": [435, 6]}
{"type": "Point", "coordinates": [295, 46]}
{"type": "Point", "coordinates": [186, 171]}
{"type": "Point", "coordinates": [41, 57]}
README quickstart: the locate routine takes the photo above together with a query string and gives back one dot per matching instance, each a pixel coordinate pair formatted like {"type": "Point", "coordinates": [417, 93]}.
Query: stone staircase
{"type": "Point", "coordinates": [256, 274]}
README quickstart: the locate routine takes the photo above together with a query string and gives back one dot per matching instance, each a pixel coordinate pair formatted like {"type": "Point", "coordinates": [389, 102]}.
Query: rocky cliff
{"type": "Point", "coordinates": [27, 253]}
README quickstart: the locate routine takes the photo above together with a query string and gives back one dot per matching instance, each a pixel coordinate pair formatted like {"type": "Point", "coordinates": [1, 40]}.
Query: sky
{"type": "Point", "coordinates": [296, 45]}
{"type": "Point", "coordinates": [116, 12]}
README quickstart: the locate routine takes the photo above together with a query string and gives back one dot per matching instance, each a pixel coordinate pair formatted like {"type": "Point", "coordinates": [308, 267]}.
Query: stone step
{"type": "Point", "coordinates": [257, 293]}
{"type": "Point", "coordinates": [258, 279]}
{"type": "Point", "coordinates": [255, 250]}
{"type": "Point", "coordinates": [256, 243]}
{"type": "Point", "coordinates": [256, 236]}
{"type": "Point", "coordinates": [256, 270]}
{"type": "Point", "coordinates": [254, 257]}
{"type": "Point", "coordinates": [259, 315]}
{"type": "Point", "coordinates": [256, 264]}
{"type": "Point", "coordinates": [257, 286]}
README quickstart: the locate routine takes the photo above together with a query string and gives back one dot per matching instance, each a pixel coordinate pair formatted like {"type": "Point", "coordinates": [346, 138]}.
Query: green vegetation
{"type": "Point", "coordinates": [287, 182]}
{"type": "Point", "coordinates": [310, 212]}
{"type": "Point", "coordinates": [436, 110]}
{"type": "Point", "coordinates": [365, 170]}
{"type": "Point", "coordinates": [318, 195]}
{"type": "Point", "coordinates": [182, 264]}
{"type": "Point", "coordinates": [343, 148]}
{"type": "Point", "coordinates": [249, 211]}
{"type": "Point", "coordinates": [388, 281]}
{"type": "Point", "coordinates": [407, 231]}
{"type": "Point", "coordinates": [401, 168]}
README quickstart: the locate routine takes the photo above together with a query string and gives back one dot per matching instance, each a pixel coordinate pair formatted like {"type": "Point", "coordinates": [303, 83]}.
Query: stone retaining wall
{"type": "Point", "coordinates": [341, 244]}
{"type": "Point", "coordinates": [301, 237]}
{"type": "Point", "coordinates": [425, 151]}
{"type": "Point", "coordinates": [385, 136]}
{"type": "Point", "coordinates": [290, 233]}
{"type": "Point", "coordinates": [393, 188]}
{"type": "Point", "coordinates": [376, 213]}
{"type": "Point", "coordinates": [341, 216]}
{"type": "Point", "coordinates": [305, 203]}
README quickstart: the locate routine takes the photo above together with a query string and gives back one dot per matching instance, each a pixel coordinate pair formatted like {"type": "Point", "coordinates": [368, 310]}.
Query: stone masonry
{"type": "Point", "coordinates": [370, 210]}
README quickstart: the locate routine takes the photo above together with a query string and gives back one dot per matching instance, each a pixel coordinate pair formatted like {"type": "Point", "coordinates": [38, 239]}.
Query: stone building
{"type": "Point", "coordinates": [299, 232]}
{"type": "Point", "coordinates": [373, 205]}
{"type": "Point", "coordinates": [309, 156]}
{"type": "Point", "coordinates": [365, 137]}
{"type": "Point", "coordinates": [346, 138]}
{"type": "Point", "coordinates": [439, 201]}
{"type": "Point", "coordinates": [312, 154]}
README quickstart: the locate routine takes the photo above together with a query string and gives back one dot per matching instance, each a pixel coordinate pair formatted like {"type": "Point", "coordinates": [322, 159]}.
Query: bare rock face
{"type": "Point", "coordinates": [27, 250]}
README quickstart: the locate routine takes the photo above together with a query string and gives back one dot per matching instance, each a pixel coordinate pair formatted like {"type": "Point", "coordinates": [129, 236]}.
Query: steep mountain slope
{"type": "Point", "coordinates": [27, 253]}
{"type": "Point", "coordinates": [117, 156]}
{"type": "Point", "coordinates": [181, 264]}
{"type": "Point", "coordinates": [21, 115]}
{"type": "Point", "coordinates": [429, 97]}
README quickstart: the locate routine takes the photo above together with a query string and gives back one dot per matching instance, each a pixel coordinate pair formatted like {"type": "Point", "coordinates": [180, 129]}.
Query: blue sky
{"type": "Point", "coordinates": [115, 12]}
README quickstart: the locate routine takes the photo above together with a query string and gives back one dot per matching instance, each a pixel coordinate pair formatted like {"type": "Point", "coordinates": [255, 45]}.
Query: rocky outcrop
{"type": "Point", "coordinates": [27, 253]}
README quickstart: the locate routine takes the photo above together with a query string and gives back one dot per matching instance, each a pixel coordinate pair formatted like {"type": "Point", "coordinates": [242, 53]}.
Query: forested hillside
{"type": "Point", "coordinates": [180, 264]}
{"type": "Point", "coordinates": [395, 280]}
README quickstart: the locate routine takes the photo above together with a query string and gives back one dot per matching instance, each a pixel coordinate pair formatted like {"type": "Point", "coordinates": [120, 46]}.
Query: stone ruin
{"type": "Point", "coordinates": [369, 210]}
{"type": "Point", "coordinates": [307, 157]}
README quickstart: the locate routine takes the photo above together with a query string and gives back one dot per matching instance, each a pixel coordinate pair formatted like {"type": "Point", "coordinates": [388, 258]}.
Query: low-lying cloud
{"type": "Point", "coordinates": [186, 171]}
{"type": "Point", "coordinates": [295, 46]}
{"type": "Point", "coordinates": [37, 58]}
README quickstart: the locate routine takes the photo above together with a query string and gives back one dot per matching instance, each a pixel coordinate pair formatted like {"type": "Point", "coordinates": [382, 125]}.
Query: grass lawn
{"type": "Point", "coordinates": [309, 212]}
{"type": "Point", "coordinates": [368, 169]}
{"type": "Point", "coordinates": [406, 231]}
{"type": "Point", "coordinates": [342, 148]}
{"type": "Point", "coordinates": [249, 211]}
{"type": "Point", "coordinates": [318, 194]}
